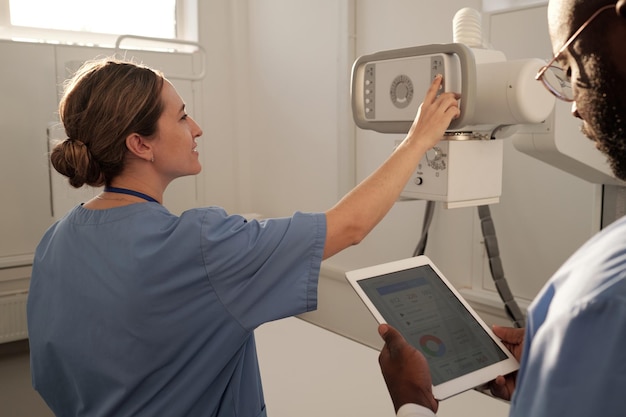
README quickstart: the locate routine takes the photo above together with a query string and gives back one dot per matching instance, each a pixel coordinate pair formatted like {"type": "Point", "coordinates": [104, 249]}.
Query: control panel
{"type": "Point", "coordinates": [393, 89]}
{"type": "Point", "coordinates": [459, 173]}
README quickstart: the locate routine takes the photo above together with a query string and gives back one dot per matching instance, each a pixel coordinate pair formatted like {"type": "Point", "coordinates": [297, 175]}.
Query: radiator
{"type": "Point", "coordinates": [13, 317]}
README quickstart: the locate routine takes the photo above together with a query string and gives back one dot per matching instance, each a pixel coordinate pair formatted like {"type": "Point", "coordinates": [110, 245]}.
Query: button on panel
{"type": "Point", "coordinates": [369, 97]}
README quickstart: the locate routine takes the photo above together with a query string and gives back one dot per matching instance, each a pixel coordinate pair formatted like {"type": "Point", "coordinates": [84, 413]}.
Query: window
{"type": "Point", "coordinates": [97, 23]}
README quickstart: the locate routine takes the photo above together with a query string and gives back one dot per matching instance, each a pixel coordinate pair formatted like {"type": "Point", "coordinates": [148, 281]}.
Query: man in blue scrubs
{"type": "Point", "coordinates": [572, 352]}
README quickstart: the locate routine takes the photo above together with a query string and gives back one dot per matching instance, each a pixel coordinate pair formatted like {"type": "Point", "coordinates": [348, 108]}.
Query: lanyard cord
{"type": "Point", "coordinates": [129, 192]}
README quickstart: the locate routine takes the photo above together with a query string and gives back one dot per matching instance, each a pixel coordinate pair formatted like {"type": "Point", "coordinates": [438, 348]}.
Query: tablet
{"type": "Point", "coordinates": [413, 296]}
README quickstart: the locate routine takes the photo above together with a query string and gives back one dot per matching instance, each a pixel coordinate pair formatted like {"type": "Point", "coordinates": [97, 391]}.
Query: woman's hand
{"type": "Point", "coordinates": [434, 115]}
{"type": "Point", "coordinates": [350, 220]}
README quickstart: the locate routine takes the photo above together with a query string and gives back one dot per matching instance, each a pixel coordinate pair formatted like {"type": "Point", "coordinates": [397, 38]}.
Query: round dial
{"type": "Point", "coordinates": [401, 91]}
{"type": "Point", "coordinates": [435, 158]}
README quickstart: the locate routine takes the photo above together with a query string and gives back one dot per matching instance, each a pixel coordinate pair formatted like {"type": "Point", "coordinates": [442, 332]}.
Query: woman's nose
{"type": "Point", "coordinates": [198, 130]}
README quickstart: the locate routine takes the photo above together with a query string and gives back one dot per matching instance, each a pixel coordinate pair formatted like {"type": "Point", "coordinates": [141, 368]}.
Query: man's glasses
{"type": "Point", "coordinates": [553, 76]}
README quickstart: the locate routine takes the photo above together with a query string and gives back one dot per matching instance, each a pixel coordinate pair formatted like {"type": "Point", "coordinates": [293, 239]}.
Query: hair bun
{"type": "Point", "coordinates": [74, 142]}
{"type": "Point", "coordinates": [72, 159]}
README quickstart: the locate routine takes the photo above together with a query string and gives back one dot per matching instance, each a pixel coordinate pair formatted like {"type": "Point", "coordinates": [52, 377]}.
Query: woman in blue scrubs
{"type": "Point", "coordinates": [134, 311]}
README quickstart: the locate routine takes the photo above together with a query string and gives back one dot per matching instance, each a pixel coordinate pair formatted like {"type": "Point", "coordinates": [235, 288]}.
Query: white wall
{"type": "Point", "coordinates": [276, 104]}
{"type": "Point", "coordinates": [297, 55]}
{"type": "Point", "coordinates": [223, 32]}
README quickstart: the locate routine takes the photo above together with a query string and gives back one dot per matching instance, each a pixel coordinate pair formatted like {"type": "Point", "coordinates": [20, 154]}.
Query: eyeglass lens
{"type": "Point", "coordinates": [557, 81]}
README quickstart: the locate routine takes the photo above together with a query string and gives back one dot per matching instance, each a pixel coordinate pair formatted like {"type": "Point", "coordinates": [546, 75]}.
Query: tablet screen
{"type": "Point", "coordinates": [417, 303]}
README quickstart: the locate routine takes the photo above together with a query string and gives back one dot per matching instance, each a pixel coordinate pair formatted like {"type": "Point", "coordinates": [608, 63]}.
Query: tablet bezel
{"type": "Point", "coordinates": [459, 384]}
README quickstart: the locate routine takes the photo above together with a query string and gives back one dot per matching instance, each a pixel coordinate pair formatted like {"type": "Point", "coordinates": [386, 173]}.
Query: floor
{"type": "Point", "coordinates": [17, 397]}
{"type": "Point", "coordinates": [344, 373]}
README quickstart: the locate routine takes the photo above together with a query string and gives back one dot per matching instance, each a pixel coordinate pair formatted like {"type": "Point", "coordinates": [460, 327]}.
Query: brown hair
{"type": "Point", "coordinates": [103, 103]}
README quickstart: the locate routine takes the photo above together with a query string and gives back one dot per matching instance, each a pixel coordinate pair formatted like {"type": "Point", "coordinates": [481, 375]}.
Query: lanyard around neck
{"type": "Point", "coordinates": [129, 192]}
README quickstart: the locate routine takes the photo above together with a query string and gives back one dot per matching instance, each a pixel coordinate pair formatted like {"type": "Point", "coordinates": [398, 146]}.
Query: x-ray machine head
{"type": "Point", "coordinates": [497, 98]}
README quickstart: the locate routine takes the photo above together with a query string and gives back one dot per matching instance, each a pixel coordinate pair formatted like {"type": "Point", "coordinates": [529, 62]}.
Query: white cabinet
{"type": "Point", "coordinates": [28, 102]}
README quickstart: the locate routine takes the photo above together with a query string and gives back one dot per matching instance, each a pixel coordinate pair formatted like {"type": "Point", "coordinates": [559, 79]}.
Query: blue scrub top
{"type": "Point", "coordinates": [134, 311]}
{"type": "Point", "coordinates": [574, 358]}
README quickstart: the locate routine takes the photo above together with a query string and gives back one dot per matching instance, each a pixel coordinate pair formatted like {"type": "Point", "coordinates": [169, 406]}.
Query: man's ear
{"type": "Point", "coordinates": [620, 8]}
{"type": "Point", "coordinates": [138, 146]}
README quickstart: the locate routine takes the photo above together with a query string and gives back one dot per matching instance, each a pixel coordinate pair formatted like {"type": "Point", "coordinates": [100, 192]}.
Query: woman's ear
{"type": "Point", "coordinates": [620, 8]}
{"type": "Point", "coordinates": [139, 147]}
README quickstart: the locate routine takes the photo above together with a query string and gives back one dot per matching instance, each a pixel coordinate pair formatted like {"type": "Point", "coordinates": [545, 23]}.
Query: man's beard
{"type": "Point", "coordinates": [605, 114]}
